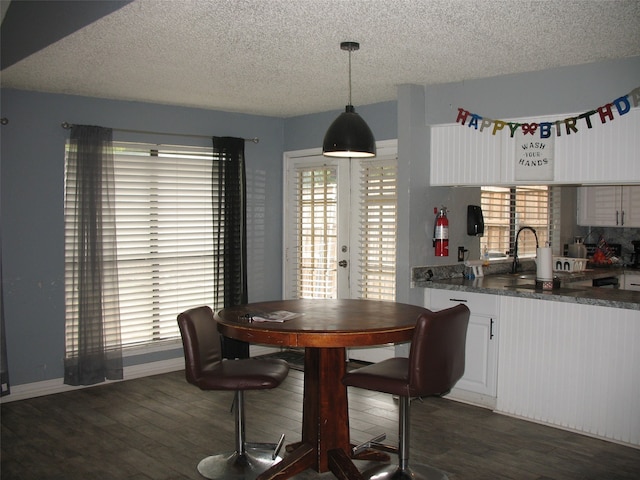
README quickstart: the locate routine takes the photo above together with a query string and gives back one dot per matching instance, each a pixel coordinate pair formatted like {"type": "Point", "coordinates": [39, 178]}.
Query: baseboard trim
{"type": "Point", "coordinates": [472, 398]}
{"type": "Point", "coordinates": [56, 385]}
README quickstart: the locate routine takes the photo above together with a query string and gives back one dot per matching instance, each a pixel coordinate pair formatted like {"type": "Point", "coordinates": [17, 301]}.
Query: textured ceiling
{"type": "Point", "coordinates": [282, 57]}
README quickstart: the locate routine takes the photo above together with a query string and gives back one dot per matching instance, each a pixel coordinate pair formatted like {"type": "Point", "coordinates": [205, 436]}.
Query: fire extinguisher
{"type": "Point", "coordinates": [441, 232]}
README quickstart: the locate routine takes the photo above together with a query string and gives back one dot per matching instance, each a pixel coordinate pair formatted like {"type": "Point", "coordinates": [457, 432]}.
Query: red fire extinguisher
{"type": "Point", "coordinates": [441, 233]}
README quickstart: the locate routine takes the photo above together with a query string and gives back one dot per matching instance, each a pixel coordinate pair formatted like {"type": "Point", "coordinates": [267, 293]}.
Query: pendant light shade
{"type": "Point", "coordinates": [349, 135]}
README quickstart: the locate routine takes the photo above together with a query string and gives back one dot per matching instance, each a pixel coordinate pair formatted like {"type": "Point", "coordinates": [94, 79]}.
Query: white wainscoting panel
{"type": "Point", "coordinates": [573, 366]}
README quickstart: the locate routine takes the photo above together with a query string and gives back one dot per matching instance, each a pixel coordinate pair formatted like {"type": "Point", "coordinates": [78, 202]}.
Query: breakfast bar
{"type": "Point", "coordinates": [567, 357]}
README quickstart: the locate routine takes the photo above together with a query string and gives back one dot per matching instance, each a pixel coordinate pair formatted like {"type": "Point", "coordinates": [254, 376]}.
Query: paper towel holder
{"type": "Point", "coordinates": [475, 221]}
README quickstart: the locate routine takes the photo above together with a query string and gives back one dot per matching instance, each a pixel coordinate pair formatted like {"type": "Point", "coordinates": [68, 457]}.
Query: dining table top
{"type": "Point", "coordinates": [322, 322]}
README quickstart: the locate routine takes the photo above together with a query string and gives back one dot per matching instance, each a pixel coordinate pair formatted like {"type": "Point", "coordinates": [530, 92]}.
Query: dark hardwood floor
{"type": "Point", "coordinates": [160, 427]}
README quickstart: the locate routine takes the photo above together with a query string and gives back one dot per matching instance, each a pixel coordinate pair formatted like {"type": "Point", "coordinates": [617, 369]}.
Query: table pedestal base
{"type": "Point", "coordinates": [325, 442]}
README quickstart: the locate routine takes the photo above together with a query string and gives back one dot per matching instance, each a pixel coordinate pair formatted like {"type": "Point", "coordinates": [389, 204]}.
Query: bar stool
{"type": "Point", "coordinates": [205, 368]}
{"type": "Point", "coordinates": [436, 362]}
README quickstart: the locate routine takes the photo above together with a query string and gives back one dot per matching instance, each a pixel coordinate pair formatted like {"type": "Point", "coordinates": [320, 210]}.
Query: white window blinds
{"type": "Point", "coordinates": [316, 231]}
{"type": "Point", "coordinates": [377, 233]}
{"type": "Point", "coordinates": [505, 210]}
{"type": "Point", "coordinates": [164, 238]}
{"type": "Point", "coordinates": [343, 211]}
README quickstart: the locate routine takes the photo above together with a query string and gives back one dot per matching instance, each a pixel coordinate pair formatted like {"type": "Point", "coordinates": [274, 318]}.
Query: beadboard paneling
{"type": "Point", "coordinates": [574, 366]}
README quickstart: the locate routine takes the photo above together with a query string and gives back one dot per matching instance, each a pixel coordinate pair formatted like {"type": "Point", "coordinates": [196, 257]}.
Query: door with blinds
{"type": "Point", "coordinates": [340, 226]}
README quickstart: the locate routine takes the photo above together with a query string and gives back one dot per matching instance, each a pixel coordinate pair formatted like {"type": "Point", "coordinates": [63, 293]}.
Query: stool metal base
{"type": "Point", "coordinates": [394, 472]}
{"type": "Point", "coordinates": [233, 466]}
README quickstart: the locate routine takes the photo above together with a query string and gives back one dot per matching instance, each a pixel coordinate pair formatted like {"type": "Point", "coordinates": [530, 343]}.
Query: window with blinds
{"type": "Point", "coordinates": [317, 226]}
{"type": "Point", "coordinates": [165, 244]}
{"type": "Point", "coordinates": [506, 210]}
{"type": "Point", "coordinates": [377, 233]}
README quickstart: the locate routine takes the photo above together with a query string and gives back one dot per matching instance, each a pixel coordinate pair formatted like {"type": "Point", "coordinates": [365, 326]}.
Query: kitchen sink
{"type": "Point", "coordinates": [518, 278]}
{"type": "Point", "coordinates": [524, 276]}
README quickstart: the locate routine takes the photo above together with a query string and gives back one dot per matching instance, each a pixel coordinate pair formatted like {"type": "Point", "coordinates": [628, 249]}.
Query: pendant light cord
{"type": "Point", "coordinates": [350, 47]}
{"type": "Point", "coordinates": [350, 76]}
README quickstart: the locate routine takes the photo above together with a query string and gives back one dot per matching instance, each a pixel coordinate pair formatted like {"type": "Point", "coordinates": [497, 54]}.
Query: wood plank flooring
{"type": "Point", "coordinates": [159, 427]}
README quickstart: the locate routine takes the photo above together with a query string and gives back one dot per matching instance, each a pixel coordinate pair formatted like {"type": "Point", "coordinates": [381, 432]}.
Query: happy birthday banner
{"type": "Point", "coordinates": [605, 113]}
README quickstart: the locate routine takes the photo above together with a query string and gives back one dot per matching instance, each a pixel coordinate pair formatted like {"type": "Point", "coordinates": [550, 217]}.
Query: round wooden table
{"type": "Point", "coordinates": [324, 329]}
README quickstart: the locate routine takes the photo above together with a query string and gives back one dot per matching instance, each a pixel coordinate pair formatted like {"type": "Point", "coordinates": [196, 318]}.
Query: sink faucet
{"type": "Point", "coordinates": [514, 268]}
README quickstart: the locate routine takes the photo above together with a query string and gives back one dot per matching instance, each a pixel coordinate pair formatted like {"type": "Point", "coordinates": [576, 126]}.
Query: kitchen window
{"type": "Point", "coordinates": [506, 210]}
{"type": "Point", "coordinates": [164, 237]}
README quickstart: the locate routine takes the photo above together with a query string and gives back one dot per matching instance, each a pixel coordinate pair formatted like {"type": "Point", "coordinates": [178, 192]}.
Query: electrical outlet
{"type": "Point", "coordinates": [461, 251]}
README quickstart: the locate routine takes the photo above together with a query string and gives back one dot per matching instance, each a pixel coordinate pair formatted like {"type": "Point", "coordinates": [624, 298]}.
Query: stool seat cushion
{"type": "Point", "coordinates": [243, 374]}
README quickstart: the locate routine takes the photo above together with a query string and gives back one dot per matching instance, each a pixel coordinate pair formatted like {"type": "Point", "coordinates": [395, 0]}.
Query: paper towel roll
{"type": "Point", "coordinates": [544, 264]}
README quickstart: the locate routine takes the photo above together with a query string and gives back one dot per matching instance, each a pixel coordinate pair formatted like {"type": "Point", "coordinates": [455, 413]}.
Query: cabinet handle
{"type": "Point", "coordinates": [617, 215]}
{"type": "Point", "coordinates": [622, 218]}
{"type": "Point", "coordinates": [457, 300]}
{"type": "Point", "coordinates": [491, 330]}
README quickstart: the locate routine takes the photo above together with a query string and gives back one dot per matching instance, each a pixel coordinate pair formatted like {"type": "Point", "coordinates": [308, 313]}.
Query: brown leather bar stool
{"type": "Point", "coordinates": [205, 368]}
{"type": "Point", "coordinates": [435, 364]}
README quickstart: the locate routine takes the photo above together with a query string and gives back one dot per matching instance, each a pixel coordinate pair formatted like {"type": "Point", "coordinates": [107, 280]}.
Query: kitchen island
{"type": "Point", "coordinates": [568, 357]}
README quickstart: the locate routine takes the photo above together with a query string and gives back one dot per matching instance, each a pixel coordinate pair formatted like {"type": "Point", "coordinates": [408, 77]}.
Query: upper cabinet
{"type": "Point", "coordinates": [604, 154]}
{"type": "Point", "coordinates": [464, 156]}
{"type": "Point", "coordinates": [609, 206]}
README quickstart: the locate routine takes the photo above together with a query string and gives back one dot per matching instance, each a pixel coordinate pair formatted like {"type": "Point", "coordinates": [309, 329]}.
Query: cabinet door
{"type": "Point", "coordinates": [481, 362]}
{"type": "Point", "coordinates": [481, 356]}
{"type": "Point", "coordinates": [600, 206]}
{"type": "Point", "coordinates": [631, 206]}
{"type": "Point", "coordinates": [632, 281]}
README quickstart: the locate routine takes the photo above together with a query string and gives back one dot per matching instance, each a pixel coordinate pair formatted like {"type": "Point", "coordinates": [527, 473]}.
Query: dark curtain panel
{"type": "Point", "coordinates": [93, 349]}
{"type": "Point", "coordinates": [4, 370]}
{"type": "Point", "coordinates": [229, 209]}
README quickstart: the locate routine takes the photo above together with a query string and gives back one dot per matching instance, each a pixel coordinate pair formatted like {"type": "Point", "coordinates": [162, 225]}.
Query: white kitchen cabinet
{"type": "Point", "coordinates": [609, 206]}
{"type": "Point", "coordinates": [464, 156]}
{"type": "Point", "coordinates": [478, 385]}
{"type": "Point", "coordinates": [631, 281]}
{"type": "Point", "coordinates": [605, 153]}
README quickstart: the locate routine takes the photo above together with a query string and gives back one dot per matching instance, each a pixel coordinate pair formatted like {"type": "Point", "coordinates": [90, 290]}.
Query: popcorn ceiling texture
{"type": "Point", "coordinates": [282, 57]}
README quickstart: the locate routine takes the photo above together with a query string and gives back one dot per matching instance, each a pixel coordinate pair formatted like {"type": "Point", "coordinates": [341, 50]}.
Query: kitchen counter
{"type": "Point", "coordinates": [567, 357]}
{"type": "Point", "coordinates": [523, 285]}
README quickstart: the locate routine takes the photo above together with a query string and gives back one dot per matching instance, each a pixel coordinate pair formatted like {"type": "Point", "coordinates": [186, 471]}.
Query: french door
{"type": "Point", "coordinates": [340, 225]}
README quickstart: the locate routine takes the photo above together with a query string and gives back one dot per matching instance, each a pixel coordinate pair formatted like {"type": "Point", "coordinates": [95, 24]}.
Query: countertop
{"type": "Point", "coordinates": [523, 285]}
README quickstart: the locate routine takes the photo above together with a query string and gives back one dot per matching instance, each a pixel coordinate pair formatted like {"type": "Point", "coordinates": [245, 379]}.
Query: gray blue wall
{"type": "Point", "coordinates": [32, 209]}
{"type": "Point", "coordinates": [33, 172]}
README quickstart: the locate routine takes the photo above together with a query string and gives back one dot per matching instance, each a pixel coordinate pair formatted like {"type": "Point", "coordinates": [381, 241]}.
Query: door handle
{"type": "Point", "coordinates": [342, 263]}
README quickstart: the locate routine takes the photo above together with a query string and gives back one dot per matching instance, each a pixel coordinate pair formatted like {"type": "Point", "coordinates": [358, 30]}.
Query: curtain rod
{"type": "Point", "coordinates": [67, 126]}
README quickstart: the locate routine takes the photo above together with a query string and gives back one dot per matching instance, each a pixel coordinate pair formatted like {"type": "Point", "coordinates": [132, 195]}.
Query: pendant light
{"type": "Point", "coordinates": [349, 135]}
